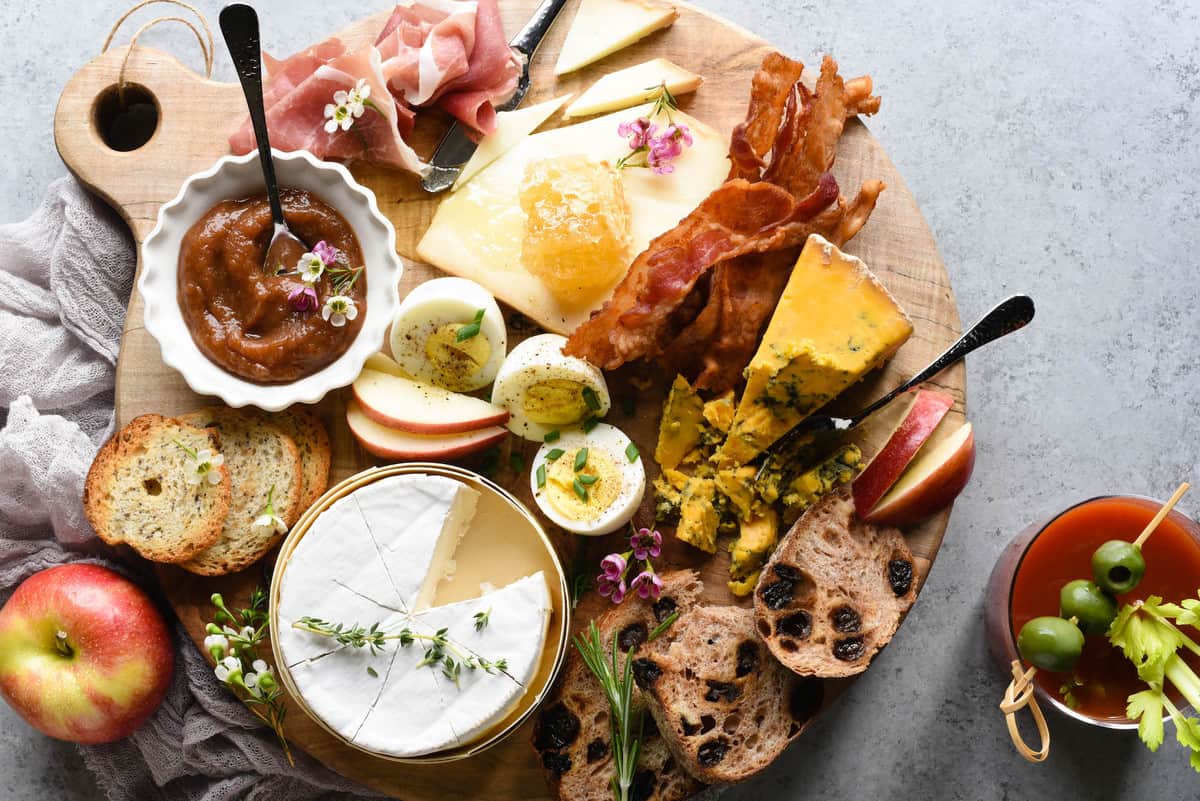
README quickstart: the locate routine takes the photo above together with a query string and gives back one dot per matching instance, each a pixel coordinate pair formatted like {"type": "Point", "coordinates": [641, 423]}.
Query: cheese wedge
{"type": "Point", "coordinates": [602, 27]}
{"type": "Point", "coordinates": [834, 324]}
{"type": "Point", "coordinates": [376, 557]}
{"type": "Point", "coordinates": [633, 85]}
{"type": "Point", "coordinates": [511, 128]}
{"type": "Point", "coordinates": [476, 232]}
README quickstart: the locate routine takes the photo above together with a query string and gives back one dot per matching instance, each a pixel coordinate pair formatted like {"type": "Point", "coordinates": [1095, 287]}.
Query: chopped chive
{"type": "Point", "coordinates": [631, 452]}
{"type": "Point", "coordinates": [553, 454]}
{"type": "Point", "coordinates": [372, 672]}
{"type": "Point", "coordinates": [541, 476]}
{"type": "Point", "coordinates": [580, 490]}
{"type": "Point", "coordinates": [587, 480]}
{"type": "Point", "coordinates": [591, 399]}
{"type": "Point", "coordinates": [471, 329]}
{"type": "Point", "coordinates": [629, 405]}
{"type": "Point", "coordinates": [590, 423]}
{"type": "Point", "coordinates": [580, 459]}
{"type": "Point", "coordinates": [551, 436]}
{"type": "Point", "coordinates": [661, 627]}
{"type": "Point", "coordinates": [517, 461]}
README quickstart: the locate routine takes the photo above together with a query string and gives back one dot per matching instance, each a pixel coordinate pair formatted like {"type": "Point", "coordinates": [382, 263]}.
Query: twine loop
{"type": "Point", "coordinates": [205, 40]}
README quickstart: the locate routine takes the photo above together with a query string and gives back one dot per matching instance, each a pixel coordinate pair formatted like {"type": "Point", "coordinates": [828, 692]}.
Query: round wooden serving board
{"type": "Point", "coordinates": [196, 116]}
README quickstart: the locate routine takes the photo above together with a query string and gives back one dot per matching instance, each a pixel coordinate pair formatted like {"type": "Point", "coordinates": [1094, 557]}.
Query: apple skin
{"type": "Point", "coordinates": [391, 443]}
{"type": "Point", "coordinates": [121, 657]}
{"type": "Point", "coordinates": [927, 410]}
{"type": "Point", "coordinates": [946, 473]}
{"type": "Point", "coordinates": [398, 402]}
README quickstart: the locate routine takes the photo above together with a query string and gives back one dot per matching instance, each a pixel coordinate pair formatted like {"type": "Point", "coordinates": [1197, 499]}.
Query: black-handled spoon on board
{"type": "Point", "coordinates": [1008, 316]}
{"type": "Point", "coordinates": [239, 25]}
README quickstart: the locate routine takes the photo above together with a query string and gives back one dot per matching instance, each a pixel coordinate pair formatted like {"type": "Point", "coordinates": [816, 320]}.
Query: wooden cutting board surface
{"type": "Point", "coordinates": [196, 116]}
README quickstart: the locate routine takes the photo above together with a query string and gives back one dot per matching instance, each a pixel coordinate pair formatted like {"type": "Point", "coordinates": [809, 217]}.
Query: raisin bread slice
{"type": "Point", "coordinates": [571, 732]}
{"type": "Point", "coordinates": [834, 591]}
{"type": "Point", "coordinates": [138, 491]}
{"type": "Point", "coordinates": [260, 458]}
{"type": "Point", "coordinates": [725, 708]}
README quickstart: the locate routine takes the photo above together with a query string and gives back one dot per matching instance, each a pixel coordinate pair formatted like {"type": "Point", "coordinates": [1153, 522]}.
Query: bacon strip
{"type": "Point", "coordinates": [698, 297]}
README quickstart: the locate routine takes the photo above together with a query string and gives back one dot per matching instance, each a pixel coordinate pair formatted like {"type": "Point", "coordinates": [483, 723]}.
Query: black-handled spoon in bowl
{"type": "Point", "coordinates": [239, 25]}
{"type": "Point", "coordinates": [1009, 315]}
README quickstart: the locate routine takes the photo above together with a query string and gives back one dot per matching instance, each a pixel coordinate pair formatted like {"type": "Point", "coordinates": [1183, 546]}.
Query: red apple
{"type": "Point", "coordinates": [931, 483]}
{"type": "Point", "coordinates": [84, 655]}
{"type": "Point", "coordinates": [420, 408]}
{"type": "Point", "coordinates": [917, 425]}
{"type": "Point", "coordinates": [391, 443]}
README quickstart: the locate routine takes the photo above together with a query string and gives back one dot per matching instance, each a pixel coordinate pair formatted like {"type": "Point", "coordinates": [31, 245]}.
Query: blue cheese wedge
{"type": "Point", "coordinates": [376, 557]}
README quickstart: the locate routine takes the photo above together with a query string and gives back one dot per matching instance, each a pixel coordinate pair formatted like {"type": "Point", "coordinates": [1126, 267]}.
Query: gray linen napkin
{"type": "Point", "coordinates": [65, 278]}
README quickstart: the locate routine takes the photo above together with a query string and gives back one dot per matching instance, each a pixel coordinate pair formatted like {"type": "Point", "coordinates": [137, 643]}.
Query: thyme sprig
{"type": "Point", "coordinates": [233, 641]}
{"type": "Point", "coordinates": [441, 651]}
{"type": "Point", "coordinates": [625, 722]}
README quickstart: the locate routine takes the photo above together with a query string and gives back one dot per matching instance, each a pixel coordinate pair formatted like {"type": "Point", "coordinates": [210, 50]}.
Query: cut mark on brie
{"type": "Point", "coordinates": [387, 674]}
{"type": "Point", "coordinates": [367, 598]}
{"type": "Point", "coordinates": [383, 561]}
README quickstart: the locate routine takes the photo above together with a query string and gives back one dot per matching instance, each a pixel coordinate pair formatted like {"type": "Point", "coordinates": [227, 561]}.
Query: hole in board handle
{"type": "Point", "coordinates": [125, 121]}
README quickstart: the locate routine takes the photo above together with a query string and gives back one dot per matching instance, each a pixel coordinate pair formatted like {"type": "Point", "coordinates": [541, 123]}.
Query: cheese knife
{"type": "Point", "coordinates": [1010, 315]}
{"type": "Point", "coordinates": [456, 147]}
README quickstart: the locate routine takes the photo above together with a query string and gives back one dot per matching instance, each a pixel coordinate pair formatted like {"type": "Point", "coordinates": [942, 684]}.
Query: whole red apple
{"type": "Point", "coordinates": [84, 655]}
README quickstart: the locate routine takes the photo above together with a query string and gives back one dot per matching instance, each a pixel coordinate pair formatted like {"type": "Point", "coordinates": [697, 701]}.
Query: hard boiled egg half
{"type": "Point", "coordinates": [546, 391]}
{"type": "Point", "coordinates": [589, 483]}
{"type": "Point", "coordinates": [449, 332]}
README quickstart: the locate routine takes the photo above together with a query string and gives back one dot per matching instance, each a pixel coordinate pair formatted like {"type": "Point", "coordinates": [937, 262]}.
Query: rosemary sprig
{"type": "Point", "coordinates": [343, 278]}
{"type": "Point", "coordinates": [625, 724]}
{"type": "Point", "coordinates": [668, 621]}
{"type": "Point", "coordinates": [441, 652]}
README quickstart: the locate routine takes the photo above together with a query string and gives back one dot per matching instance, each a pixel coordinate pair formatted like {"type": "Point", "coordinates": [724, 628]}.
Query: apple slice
{"type": "Point", "coordinates": [390, 443]}
{"type": "Point", "coordinates": [931, 483]}
{"type": "Point", "coordinates": [917, 425]}
{"type": "Point", "coordinates": [398, 402]}
{"type": "Point", "coordinates": [382, 363]}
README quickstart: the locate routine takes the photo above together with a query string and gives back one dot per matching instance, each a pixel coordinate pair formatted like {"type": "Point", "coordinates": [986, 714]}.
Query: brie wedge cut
{"type": "Point", "coordinates": [511, 128]}
{"type": "Point", "coordinates": [633, 85]}
{"type": "Point", "coordinates": [374, 559]}
{"type": "Point", "coordinates": [477, 231]}
{"type": "Point", "coordinates": [602, 27]}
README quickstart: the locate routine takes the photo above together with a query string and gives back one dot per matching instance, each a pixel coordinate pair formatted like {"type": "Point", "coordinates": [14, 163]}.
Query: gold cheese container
{"type": "Point", "coordinates": [505, 542]}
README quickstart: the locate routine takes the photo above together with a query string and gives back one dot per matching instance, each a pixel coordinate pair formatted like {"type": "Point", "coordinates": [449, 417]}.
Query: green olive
{"type": "Point", "coordinates": [1093, 609]}
{"type": "Point", "coordinates": [1050, 643]}
{"type": "Point", "coordinates": [1118, 566]}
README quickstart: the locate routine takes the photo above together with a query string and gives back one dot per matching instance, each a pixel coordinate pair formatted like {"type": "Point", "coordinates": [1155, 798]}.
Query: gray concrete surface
{"type": "Point", "coordinates": [1054, 150]}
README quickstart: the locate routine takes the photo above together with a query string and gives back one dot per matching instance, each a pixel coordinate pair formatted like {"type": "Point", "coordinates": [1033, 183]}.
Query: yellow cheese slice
{"type": "Point", "coordinates": [511, 127]}
{"type": "Point", "coordinates": [476, 232]}
{"type": "Point", "coordinates": [633, 85]}
{"type": "Point", "coordinates": [602, 27]}
{"type": "Point", "coordinates": [833, 325]}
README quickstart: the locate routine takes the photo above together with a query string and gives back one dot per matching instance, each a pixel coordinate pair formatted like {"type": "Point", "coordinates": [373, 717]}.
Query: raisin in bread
{"type": "Point", "coordinates": [138, 490]}
{"type": "Point", "coordinates": [571, 732]}
{"type": "Point", "coordinates": [725, 708]}
{"type": "Point", "coordinates": [834, 591]}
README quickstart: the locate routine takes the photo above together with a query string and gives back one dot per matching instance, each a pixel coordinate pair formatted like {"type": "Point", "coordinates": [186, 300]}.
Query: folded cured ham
{"type": "Point", "coordinates": [697, 298]}
{"type": "Point", "coordinates": [449, 54]}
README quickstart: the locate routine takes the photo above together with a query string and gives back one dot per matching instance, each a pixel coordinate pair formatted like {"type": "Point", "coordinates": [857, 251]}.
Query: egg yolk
{"type": "Point", "coordinates": [456, 362]}
{"type": "Point", "coordinates": [555, 402]}
{"type": "Point", "coordinates": [561, 491]}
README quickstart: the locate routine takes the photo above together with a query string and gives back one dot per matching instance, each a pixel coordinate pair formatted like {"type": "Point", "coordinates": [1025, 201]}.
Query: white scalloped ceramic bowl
{"type": "Point", "coordinates": [239, 176]}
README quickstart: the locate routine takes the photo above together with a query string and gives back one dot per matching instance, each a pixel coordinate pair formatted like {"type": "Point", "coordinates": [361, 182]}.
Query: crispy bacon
{"type": "Point", "coordinates": [697, 298]}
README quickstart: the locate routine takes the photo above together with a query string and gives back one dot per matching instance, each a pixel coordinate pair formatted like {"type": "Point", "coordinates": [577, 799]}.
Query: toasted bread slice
{"type": "Point", "coordinates": [571, 732]}
{"type": "Point", "coordinates": [725, 708]}
{"type": "Point", "coordinates": [834, 591]}
{"type": "Point", "coordinates": [312, 439]}
{"type": "Point", "coordinates": [259, 457]}
{"type": "Point", "coordinates": [137, 490]}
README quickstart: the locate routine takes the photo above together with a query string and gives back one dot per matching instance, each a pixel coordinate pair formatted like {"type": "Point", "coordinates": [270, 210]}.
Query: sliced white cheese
{"type": "Point", "coordinates": [416, 522]}
{"type": "Point", "coordinates": [409, 717]}
{"type": "Point", "coordinates": [602, 27]}
{"type": "Point", "coordinates": [312, 593]}
{"type": "Point", "coordinates": [476, 232]}
{"type": "Point", "coordinates": [511, 128]}
{"type": "Point", "coordinates": [633, 85]}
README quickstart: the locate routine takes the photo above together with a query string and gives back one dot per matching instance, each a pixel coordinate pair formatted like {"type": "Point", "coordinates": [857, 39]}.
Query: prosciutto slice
{"type": "Point", "coordinates": [450, 54]}
{"type": "Point", "coordinates": [698, 297]}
